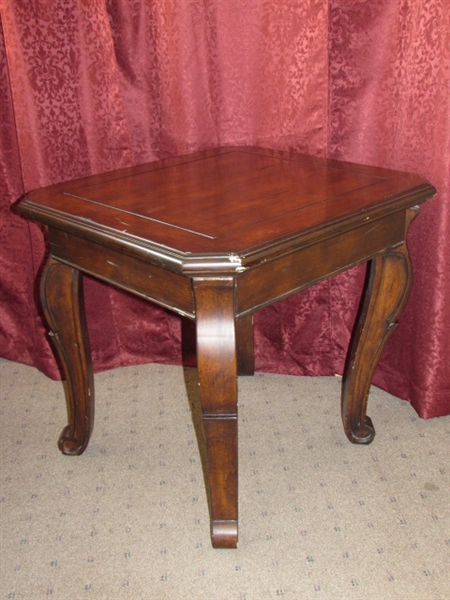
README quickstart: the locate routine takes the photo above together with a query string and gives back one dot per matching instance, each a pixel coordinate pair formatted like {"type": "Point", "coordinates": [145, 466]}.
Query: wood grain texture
{"type": "Point", "coordinates": [387, 291]}
{"type": "Point", "coordinates": [62, 301]}
{"type": "Point", "coordinates": [217, 380]}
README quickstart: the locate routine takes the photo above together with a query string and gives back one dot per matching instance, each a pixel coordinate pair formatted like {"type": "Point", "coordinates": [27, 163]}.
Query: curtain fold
{"type": "Point", "coordinates": [93, 86]}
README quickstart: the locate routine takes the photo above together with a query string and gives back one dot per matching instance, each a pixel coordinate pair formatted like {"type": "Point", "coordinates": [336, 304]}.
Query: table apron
{"type": "Point", "coordinates": [278, 278]}
{"type": "Point", "coordinates": [127, 272]}
{"type": "Point", "coordinates": [255, 288]}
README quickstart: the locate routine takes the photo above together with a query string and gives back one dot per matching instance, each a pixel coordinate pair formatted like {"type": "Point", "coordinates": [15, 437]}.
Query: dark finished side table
{"type": "Point", "coordinates": [215, 236]}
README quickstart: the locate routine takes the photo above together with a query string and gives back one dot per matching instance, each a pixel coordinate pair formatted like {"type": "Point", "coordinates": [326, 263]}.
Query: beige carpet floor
{"type": "Point", "coordinates": [320, 518]}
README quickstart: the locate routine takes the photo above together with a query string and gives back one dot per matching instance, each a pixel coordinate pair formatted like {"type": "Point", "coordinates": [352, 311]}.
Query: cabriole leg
{"type": "Point", "coordinates": [389, 285]}
{"type": "Point", "coordinates": [217, 374]}
{"type": "Point", "coordinates": [63, 304]}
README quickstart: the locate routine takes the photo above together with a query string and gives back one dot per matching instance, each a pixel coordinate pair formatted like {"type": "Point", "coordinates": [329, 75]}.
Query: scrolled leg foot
{"type": "Point", "coordinates": [363, 434]}
{"type": "Point", "coordinates": [68, 444]}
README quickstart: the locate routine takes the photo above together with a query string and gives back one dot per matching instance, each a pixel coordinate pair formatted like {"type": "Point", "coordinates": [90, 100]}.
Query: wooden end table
{"type": "Point", "coordinates": [215, 236]}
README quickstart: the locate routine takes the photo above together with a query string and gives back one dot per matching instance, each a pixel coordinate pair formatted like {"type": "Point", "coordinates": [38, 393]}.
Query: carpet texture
{"type": "Point", "coordinates": [320, 518]}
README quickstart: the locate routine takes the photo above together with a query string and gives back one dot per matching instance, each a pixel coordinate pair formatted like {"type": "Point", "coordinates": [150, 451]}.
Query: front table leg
{"type": "Point", "coordinates": [217, 375]}
{"type": "Point", "coordinates": [389, 285]}
{"type": "Point", "coordinates": [62, 301]}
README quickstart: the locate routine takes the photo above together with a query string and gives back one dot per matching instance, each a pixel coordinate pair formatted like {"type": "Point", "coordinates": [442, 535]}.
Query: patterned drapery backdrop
{"type": "Point", "coordinates": [93, 86]}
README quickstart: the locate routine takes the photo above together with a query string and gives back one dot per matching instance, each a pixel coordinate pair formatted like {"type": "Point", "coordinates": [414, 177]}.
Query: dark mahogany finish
{"type": "Point", "coordinates": [216, 236]}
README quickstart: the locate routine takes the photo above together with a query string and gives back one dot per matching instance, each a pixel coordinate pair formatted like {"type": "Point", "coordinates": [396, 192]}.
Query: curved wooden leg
{"type": "Point", "coordinates": [62, 301]}
{"type": "Point", "coordinates": [389, 285]}
{"type": "Point", "coordinates": [217, 375]}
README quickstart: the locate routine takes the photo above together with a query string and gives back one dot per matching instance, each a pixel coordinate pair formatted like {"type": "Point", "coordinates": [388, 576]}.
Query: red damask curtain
{"type": "Point", "coordinates": [89, 86]}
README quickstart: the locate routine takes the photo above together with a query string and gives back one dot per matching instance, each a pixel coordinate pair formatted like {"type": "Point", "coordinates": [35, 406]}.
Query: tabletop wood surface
{"type": "Point", "coordinates": [224, 201]}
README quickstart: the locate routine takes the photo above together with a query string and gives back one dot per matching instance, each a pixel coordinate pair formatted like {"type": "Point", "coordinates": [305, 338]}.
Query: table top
{"type": "Point", "coordinates": [235, 202]}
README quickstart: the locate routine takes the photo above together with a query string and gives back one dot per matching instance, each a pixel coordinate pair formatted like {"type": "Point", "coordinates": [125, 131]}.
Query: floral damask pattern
{"type": "Point", "coordinates": [93, 86]}
{"type": "Point", "coordinates": [390, 90]}
{"type": "Point", "coordinates": [197, 74]}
